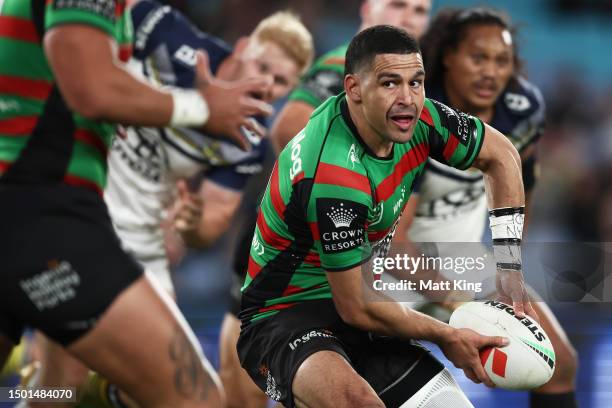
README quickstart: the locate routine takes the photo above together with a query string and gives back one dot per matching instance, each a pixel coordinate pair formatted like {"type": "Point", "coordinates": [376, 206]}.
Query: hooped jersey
{"type": "Point", "coordinates": [452, 204]}
{"type": "Point", "coordinates": [145, 164]}
{"type": "Point", "coordinates": [331, 204]}
{"type": "Point", "coordinates": [43, 141]}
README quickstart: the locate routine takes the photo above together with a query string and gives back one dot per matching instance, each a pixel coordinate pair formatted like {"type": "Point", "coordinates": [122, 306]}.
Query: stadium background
{"type": "Point", "coordinates": [565, 44]}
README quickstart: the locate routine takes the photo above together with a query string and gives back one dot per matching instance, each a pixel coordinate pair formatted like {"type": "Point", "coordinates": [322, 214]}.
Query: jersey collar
{"type": "Point", "coordinates": [346, 116]}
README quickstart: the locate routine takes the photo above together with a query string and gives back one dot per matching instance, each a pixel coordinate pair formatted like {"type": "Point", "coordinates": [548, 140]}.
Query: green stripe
{"type": "Point", "coordinates": [105, 131]}
{"type": "Point", "coordinates": [346, 193]}
{"type": "Point", "coordinates": [550, 353]}
{"type": "Point", "coordinates": [10, 147]}
{"type": "Point", "coordinates": [11, 106]}
{"type": "Point", "coordinates": [306, 97]}
{"type": "Point", "coordinates": [24, 60]}
{"type": "Point", "coordinates": [260, 316]}
{"type": "Point", "coordinates": [17, 8]}
{"type": "Point", "coordinates": [435, 116]}
{"type": "Point", "coordinates": [56, 17]}
{"type": "Point", "coordinates": [85, 163]}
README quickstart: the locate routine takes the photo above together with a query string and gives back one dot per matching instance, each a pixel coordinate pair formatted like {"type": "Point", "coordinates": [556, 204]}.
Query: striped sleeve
{"type": "Point", "coordinates": [102, 14]}
{"type": "Point", "coordinates": [455, 138]}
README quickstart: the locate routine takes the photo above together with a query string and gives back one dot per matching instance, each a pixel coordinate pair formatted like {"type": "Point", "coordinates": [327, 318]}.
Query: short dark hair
{"type": "Point", "coordinates": [380, 39]}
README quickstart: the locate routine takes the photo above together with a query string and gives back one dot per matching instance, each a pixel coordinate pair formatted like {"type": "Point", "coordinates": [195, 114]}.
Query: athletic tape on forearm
{"type": "Point", "coordinates": [190, 108]}
{"type": "Point", "coordinates": [507, 230]}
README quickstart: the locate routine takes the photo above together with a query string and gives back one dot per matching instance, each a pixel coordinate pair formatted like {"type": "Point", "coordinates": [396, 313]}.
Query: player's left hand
{"type": "Point", "coordinates": [187, 209]}
{"type": "Point", "coordinates": [511, 290]}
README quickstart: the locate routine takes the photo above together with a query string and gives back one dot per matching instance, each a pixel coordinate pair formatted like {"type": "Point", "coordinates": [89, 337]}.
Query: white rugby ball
{"type": "Point", "coordinates": [527, 362]}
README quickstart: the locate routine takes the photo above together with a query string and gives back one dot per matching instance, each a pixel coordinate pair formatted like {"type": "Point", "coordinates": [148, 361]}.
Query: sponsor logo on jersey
{"type": "Point", "coordinates": [400, 201]}
{"type": "Point", "coordinates": [249, 168]}
{"type": "Point", "coordinates": [341, 224]}
{"type": "Point", "coordinates": [377, 213]}
{"type": "Point", "coordinates": [324, 83]}
{"type": "Point", "coordinates": [458, 123]}
{"type": "Point", "coordinates": [186, 55]}
{"type": "Point", "coordinates": [352, 156]}
{"type": "Point", "coordinates": [52, 287]}
{"type": "Point", "coordinates": [149, 24]}
{"type": "Point", "coordinates": [538, 335]}
{"type": "Point", "coordinates": [7, 106]}
{"type": "Point", "coordinates": [257, 246]}
{"type": "Point", "coordinates": [517, 102]}
{"type": "Point", "coordinates": [296, 149]}
{"type": "Point", "coordinates": [104, 8]}
{"type": "Point", "coordinates": [305, 338]}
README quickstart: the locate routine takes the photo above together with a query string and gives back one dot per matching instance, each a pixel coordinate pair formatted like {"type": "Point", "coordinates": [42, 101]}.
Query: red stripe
{"type": "Point", "coordinates": [313, 259]}
{"type": "Point", "coordinates": [275, 195]}
{"type": "Point", "coordinates": [125, 53]}
{"type": "Point", "coordinates": [119, 8]}
{"type": "Point", "coordinates": [91, 139]}
{"type": "Point", "coordinates": [276, 307]}
{"type": "Point", "coordinates": [19, 126]}
{"type": "Point", "coordinates": [411, 160]}
{"type": "Point", "coordinates": [81, 182]}
{"type": "Point", "coordinates": [484, 355]}
{"type": "Point", "coordinates": [499, 362]}
{"type": "Point", "coordinates": [254, 268]}
{"type": "Point", "coordinates": [26, 88]}
{"type": "Point", "coordinates": [18, 28]}
{"type": "Point", "coordinates": [290, 290]}
{"type": "Point", "coordinates": [298, 177]}
{"type": "Point", "coordinates": [450, 147]}
{"type": "Point", "coordinates": [378, 235]}
{"type": "Point", "coordinates": [426, 116]}
{"type": "Point", "coordinates": [4, 166]}
{"type": "Point", "coordinates": [268, 235]}
{"type": "Point", "coordinates": [314, 229]}
{"type": "Point", "coordinates": [339, 176]}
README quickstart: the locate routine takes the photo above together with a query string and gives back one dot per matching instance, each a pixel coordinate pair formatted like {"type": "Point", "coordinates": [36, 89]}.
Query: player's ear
{"type": "Point", "coordinates": [352, 86]}
{"type": "Point", "coordinates": [364, 12]}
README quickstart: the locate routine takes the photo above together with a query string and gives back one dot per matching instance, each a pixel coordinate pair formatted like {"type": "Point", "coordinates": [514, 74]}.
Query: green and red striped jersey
{"type": "Point", "coordinates": [331, 203]}
{"type": "Point", "coordinates": [41, 140]}
{"type": "Point", "coordinates": [324, 79]}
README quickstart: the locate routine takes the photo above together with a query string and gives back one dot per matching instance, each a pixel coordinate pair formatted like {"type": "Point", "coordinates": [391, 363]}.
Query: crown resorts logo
{"type": "Point", "coordinates": [341, 217]}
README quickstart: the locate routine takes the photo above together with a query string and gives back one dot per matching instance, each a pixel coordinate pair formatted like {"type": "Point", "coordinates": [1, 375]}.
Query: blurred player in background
{"type": "Point", "coordinates": [323, 80]}
{"type": "Point", "coordinates": [65, 272]}
{"type": "Point", "coordinates": [146, 163]}
{"type": "Point", "coordinates": [473, 65]}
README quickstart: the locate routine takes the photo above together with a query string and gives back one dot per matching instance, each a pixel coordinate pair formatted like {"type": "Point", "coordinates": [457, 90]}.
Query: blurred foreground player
{"type": "Point", "coordinates": [145, 164]}
{"type": "Point", "coordinates": [61, 77]}
{"type": "Point", "coordinates": [322, 81]}
{"type": "Point", "coordinates": [473, 65]}
{"type": "Point", "coordinates": [312, 333]}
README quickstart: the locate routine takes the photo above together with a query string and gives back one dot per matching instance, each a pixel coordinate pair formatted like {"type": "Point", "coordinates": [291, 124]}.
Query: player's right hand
{"type": "Point", "coordinates": [231, 104]}
{"type": "Point", "coordinates": [462, 347]}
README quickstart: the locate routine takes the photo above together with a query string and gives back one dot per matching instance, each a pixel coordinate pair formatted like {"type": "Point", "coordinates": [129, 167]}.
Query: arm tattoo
{"type": "Point", "coordinates": [190, 378]}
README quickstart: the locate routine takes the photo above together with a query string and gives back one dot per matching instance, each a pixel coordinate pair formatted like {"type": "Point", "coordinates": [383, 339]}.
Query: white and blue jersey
{"type": "Point", "coordinates": [145, 164]}
{"type": "Point", "coordinates": [452, 204]}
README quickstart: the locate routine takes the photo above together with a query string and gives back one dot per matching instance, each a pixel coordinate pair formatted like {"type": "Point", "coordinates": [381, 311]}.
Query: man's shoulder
{"type": "Point", "coordinates": [522, 99]}
{"type": "Point", "coordinates": [158, 25]}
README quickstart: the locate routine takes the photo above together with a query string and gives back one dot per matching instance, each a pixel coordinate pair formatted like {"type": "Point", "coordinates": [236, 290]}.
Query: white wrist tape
{"type": "Point", "coordinates": [190, 108]}
{"type": "Point", "coordinates": [507, 230]}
